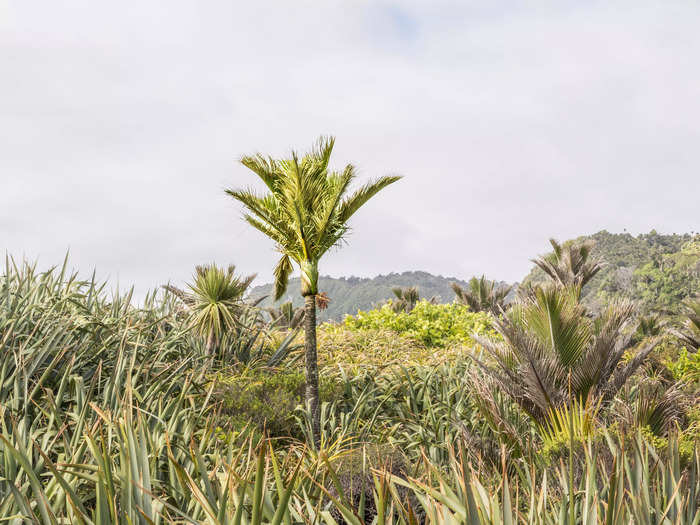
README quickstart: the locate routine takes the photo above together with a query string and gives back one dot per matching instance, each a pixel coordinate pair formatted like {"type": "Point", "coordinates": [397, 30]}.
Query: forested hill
{"type": "Point", "coordinates": [348, 295]}
{"type": "Point", "coordinates": [656, 271]}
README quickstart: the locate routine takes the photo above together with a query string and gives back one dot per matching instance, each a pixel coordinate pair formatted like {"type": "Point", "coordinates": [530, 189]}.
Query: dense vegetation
{"type": "Point", "coordinates": [656, 271]}
{"type": "Point", "coordinates": [116, 414]}
{"type": "Point", "coordinates": [576, 401]}
{"type": "Point", "coordinates": [350, 294]}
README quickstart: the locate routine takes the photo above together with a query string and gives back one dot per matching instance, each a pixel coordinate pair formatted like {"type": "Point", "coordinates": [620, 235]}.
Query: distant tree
{"type": "Point", "coordinates": [569, 265]}
{"type": "Point", "coordinates": [482, 295]}
{"type": "Point", "coordinates": [305, 212]}
{"type": "Point", "coordinates": [214, 300]}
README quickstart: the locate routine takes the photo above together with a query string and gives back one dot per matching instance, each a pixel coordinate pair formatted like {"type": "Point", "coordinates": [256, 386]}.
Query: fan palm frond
{"type": "Point", "coordinates": [482, 295]}
{"type": "Point", "coordinates": [549, 353]}
{"type": "Point", "coordinates": [689, 334]}
{"type": "Point", "coordinates": [569, 265]}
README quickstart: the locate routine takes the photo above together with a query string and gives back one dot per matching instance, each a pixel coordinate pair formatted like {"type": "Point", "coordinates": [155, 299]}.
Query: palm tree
{"type": "Point", "coordinates": [482, 295]}
{"type": "Point", "coordinates": [305, 212]}
{"type": "Point", "coordinates": [214, 301]}
{"type": "Point", "coordinates": [286, 317]}
{"type": "Point", "coordinates": [406, 299]}
{"type": "Point", "coordinates": [551, 354]}
{"type": "Point", "coordinates": [689, 335]}
{"type": "Point", "coordinates": [648, 326]}
{"type": "Point", "coordinates": [569, 264]}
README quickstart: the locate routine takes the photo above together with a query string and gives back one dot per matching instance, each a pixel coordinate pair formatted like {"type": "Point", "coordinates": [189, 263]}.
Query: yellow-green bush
{"type": "Point", "coordinates": [431, 324]}
{"type": "Point", "coordinates": [350, 349]}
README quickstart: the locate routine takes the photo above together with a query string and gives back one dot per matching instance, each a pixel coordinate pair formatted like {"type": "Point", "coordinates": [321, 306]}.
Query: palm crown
{"type": "Point", "coordinates": [306, 210]}
{"type": "Point", "coordinates": [214, 300]}
{"type": "Point", "coordinates": [551, 353]}
{"type": "Point", "coordinates": [569, 264]}
{"type": "Point", "coordinates": [482, 295]}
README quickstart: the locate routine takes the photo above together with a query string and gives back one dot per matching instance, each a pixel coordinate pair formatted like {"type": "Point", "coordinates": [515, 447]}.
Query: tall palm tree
{"type": "Point", "coordinates": [551, 354]}
{"type": "Point", "coordinates": [482, 295]}
{"type": "Point", "coordinates": [569, 264]}
{"type": "Point", "coordinates": [213, 301]}
{"type": "Point", "coordinates": [305, 212]}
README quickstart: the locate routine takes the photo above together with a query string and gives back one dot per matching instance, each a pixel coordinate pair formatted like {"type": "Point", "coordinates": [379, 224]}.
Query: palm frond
{"type": "Point", "coordinates": [549, 352]}
{"type": "Point", "coordinates": [569, 265]}
{"type": "Point", "coordinates": [306, 210]}
{"type": "Point", "coordinates": [355, 201]}
{"type": "Point", "coordinates": [282, 272]}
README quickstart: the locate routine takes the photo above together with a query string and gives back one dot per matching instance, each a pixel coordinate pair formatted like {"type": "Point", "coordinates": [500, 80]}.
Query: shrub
{"type": "Point", "coordinates": [432, 324]}
{"type": "Point", "coordinates": [354, 350]}
{"type": "Point", "coordinates": [686, 367]}
{"type": "Point", "coordinates": [267, 398]}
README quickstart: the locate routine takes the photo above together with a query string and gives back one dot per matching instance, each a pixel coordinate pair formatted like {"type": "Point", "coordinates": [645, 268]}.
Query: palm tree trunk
{"type": "Point", "coordinates": [312, 400]}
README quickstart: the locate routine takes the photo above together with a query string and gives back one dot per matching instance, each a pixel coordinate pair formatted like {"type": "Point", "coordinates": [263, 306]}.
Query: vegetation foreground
{"type": "Point", "coordinates": [203, 406]}
{"type": "Point", "coordinates": [117, 414]}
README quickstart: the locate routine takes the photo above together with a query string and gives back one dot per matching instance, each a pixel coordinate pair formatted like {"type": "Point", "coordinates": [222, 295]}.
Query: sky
{"type": "Point", "coordinates": [121, 124]}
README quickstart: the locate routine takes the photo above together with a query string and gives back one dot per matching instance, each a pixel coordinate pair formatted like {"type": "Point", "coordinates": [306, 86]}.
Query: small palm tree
{"type": "Point", "coordinates": [214, 300]}
{"type": "Point", "coordinates": [406, 299]}
{"type": "Point", "coordinates": [649, 326]}
{"type": "Point", "coordinates": [286, 317]}
{"type": "Point", "coordinates": [482, 295]}
{"type": "Point", "coordinates": [689, 335]}
{"type": "Point", "coordinates": [569, 265]}
{"type": "Point", "coordinates": [551, 354]}
{"type": "Point", "coordinates": [305, 212]}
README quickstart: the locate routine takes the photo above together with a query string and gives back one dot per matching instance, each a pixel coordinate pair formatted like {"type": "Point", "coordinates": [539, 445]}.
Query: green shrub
{"type": "Point", "coordinates": [686, 367]}
{"type": "Point", "coordinates": [267, 398]}
{"type": "Point", "coordinates": [431, 324]}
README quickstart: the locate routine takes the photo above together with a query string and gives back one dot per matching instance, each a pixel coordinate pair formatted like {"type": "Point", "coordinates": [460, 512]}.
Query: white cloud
{"type": "Point", "coordinates": [121, 125]}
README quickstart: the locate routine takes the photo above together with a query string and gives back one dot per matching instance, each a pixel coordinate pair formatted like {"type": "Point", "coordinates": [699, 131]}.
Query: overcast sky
{"type": "Point", "coordinates": [121, 123]}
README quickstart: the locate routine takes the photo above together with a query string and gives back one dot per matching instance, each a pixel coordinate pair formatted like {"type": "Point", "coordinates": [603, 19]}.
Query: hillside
{"type": "Point", "coordinates": [348, 295]}
{"type": "Point", "coordinates": [656, 271]}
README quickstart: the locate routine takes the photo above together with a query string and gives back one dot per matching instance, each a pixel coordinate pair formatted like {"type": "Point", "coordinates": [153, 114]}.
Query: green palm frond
{"type": "Point", "coordinates": [306, 209]}
{"type": "Point", "coordinates": [557, 321]}
{"type": "Point", "coordinates": [658, 409]}
{"type": "Point", "coordinates": [406, 299]}
{"type": "Point", "coordinates": [568, 265]}
{"type": "Point", "coordinates": [355, 201]}
{"type": "Point", "coordinates": [482, 295]}
{"type": "Point", "coordinates": [689, 334]}
{"type": "Point", "coordinates": [549, 352]}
